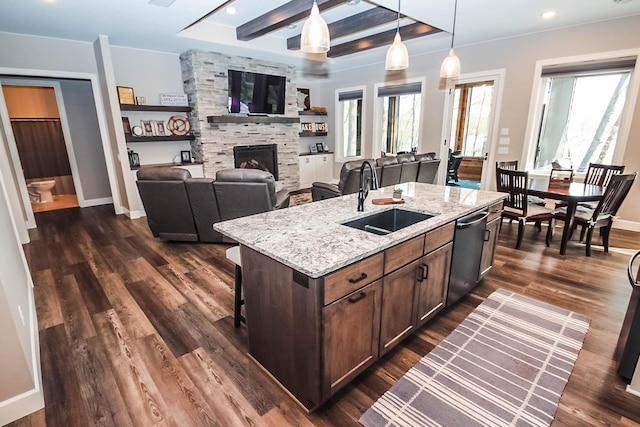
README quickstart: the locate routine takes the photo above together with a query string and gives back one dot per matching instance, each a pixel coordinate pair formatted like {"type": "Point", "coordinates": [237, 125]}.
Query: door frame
{"type": "Point", "coordinates": [497, 76]}
{"type": "Point", "coordinates": [19, 182]}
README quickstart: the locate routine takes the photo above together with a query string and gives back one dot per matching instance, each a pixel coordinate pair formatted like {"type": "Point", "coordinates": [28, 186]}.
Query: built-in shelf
{"type": "Point", "coordinates": [131, 138]}
{"type": "Point", "coordinates": [167, 108]}
{"type": "Point", "coordinates": [305, 134]}
{"type": "Point", "coordinates": [315, 154]}
{"type": "Point", "coordinates": [251, 119]}
{"type": "Point", "coordinates": [312, 113]}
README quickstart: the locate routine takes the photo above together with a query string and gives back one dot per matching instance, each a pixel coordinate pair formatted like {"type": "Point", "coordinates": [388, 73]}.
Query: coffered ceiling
{"type": "Point", "coordinates": [270, 29]}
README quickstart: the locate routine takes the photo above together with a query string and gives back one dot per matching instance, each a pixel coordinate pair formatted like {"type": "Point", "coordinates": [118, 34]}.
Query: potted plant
{"type": "Point", "coordinates": [397, 194]}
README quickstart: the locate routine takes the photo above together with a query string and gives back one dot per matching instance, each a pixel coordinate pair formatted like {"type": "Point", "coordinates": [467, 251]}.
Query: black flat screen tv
{"type": "Point", "coordinates": [256, 93]}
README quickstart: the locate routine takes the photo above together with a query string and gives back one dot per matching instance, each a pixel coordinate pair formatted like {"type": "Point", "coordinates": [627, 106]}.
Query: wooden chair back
{"type": "Point", "coordinates": [511, 165]}
{"type": "Point", "coordinates": [599, 174]}
{"type": "Point", "coordinates": [516, 185]}
{"type": "Point", "coordinates": [614, 195]}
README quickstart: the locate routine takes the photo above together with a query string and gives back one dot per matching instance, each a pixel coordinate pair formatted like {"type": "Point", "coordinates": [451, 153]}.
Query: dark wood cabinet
{"type": "Point", "coordinates": [432, 283]}
{"type": "Point", "coordinates": [491, 239]}
{"type": "Point", "coordinates": [351, 327]}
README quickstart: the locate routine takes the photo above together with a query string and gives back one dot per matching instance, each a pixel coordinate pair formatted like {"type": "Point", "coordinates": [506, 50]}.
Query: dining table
{"type": "Point", "coordinates": [570, 194]}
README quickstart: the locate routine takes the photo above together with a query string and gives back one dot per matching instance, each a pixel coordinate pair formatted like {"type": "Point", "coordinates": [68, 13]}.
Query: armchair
{"type": "Point", "coordinates": [349, 182]}
{"type": "Point", "coordinates": [243, 192]}
{"type": "Point", "coordinates": [160, 188]}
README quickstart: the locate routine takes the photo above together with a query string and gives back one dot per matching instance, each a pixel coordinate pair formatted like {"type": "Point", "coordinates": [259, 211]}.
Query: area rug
{"type": "Point", "coordinates": [300, 197]}
{"type": "Point", "coordinates": [506, 364]}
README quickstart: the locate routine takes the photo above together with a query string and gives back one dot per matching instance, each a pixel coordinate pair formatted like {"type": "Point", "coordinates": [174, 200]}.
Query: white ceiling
{"type": "Point", "coordinates": [138, 24]}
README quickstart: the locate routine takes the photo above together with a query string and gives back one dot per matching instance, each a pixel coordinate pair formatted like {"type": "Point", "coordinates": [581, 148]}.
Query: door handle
{"type": "Point", "coordinates": [357, 298]}
{"type": "Point", "coordinates": [356, 280]}
{"type": "Point", "coordinates": [422, 272]}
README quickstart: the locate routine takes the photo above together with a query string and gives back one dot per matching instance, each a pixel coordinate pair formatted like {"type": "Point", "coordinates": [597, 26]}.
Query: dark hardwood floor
{"type": "Point", "coordinates": [138, 332]}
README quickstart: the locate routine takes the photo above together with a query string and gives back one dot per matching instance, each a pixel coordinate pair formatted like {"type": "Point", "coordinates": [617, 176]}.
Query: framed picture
{"type": "Point", "coordinates": [185, 156]}
{"type": "Point", "coordinates": [147, 127]}
{"type": "Point", "coordinates": [313, 149]}
{"type": "Point", "coordinates": [126, 126]}
{"type": "Point", "coordinates": [125, 95]}
{"type": "Point", "coordinates": [304, 102]}
{"type": "Point", "coordinates": [141, 100]}
{"type": "Point", "coordinates": [159, 128]}
{"type": "Point", "coordinates": [319, 147]}
{"type": "Point", "coordinates": [134, 159]}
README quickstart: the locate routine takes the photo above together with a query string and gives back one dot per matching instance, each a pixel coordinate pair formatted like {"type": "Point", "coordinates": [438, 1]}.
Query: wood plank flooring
{"type": "Point", "coordinates": [138, 332]}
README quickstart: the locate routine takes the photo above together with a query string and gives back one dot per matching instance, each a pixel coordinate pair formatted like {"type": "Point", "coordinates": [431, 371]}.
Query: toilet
{"type": "Point", "coordinates": [43, 189]}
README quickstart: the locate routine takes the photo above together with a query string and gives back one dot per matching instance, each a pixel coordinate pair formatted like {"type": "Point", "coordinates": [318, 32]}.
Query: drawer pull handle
{"type": "Point", "coordinates": [422, 272]}
{"type": "Point", "coordinates": [355, 299]}
{"type": "Point", "coordinates": [362, 277]}
{"type": "Point", "coordinates": [487, 235]}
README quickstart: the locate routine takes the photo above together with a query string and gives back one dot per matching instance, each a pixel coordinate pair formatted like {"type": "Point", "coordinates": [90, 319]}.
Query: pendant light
{"type": "Point", "coordinates": [315, 33]}
{"type": "Point", "coordinates": [397, 55]}
{"type": "Point", "coordinates": [450, 68]}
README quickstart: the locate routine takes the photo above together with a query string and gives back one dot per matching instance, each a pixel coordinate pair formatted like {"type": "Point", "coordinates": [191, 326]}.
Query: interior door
{"type": "Point", "coordinates": [471, 112]}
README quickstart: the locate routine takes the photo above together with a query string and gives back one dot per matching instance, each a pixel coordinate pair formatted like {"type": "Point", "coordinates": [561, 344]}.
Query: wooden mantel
{"type": "Point", "coordinates": [241, 118]}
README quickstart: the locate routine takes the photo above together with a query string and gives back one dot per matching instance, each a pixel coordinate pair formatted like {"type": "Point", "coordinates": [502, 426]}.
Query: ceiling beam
{"type": "Point", "coordinates": [353, 24]}
{"type": "Point", "coordinates": [407, 32]}
{"type": "Point", "coordinates": [288, 13]}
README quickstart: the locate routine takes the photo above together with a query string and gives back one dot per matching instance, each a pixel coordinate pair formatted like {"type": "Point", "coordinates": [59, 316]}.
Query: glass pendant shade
{"type": "Point", "coordinates": [450, 68]}
{"type": "Point", "coordinates": [315, 33]}
{"type": "Point", "coordinates": [397, 55]}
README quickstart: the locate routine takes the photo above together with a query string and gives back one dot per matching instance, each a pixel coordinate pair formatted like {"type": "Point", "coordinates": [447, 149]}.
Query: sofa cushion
{"type": "Point", "coordinates": [163, 173]}
{"type": "Point", "coordinates": [404, 158]}
{"type": "Point", "coordinates": [249, 175]}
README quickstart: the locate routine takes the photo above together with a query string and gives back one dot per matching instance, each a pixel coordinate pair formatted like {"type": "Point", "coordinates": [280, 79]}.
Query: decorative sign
{"type": "Point", "coordinates": [306, 127]}
{"type": "Point", "coordinates": [125, 95]}
{"type": "Point", "coordinates": [174, 99]}
{"type": "Point", "coordinates": [321, 127]}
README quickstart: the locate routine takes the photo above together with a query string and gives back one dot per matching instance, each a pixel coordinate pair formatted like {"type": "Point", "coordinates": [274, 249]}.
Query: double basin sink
{"type": "Point", "coordinates": [388, 221]}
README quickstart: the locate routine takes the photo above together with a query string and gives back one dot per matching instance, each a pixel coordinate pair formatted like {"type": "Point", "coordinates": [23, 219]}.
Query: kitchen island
{"type": "Point", "coordinates": [324, 301]}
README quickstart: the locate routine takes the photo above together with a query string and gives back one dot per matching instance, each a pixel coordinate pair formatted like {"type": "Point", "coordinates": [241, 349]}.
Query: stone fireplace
{"type": "Point", "coordinates": [205, 81]}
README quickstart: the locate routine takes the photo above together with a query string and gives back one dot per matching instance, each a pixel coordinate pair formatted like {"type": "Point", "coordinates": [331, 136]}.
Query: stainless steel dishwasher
{"type": "Point", "coordinates": [468, 241]}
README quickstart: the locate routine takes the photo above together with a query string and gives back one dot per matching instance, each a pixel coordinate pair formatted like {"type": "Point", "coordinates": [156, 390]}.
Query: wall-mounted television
{"type": "Point", "coordinates": [256, 93]}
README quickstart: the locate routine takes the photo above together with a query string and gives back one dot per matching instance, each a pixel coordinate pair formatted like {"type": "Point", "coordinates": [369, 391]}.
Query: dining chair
{"type": "Point", "coordinates": [517, 205]}
{"type": "Point", "coordinates": [599, 174]}
{"type": "Point", "coordinates": [602, 216]}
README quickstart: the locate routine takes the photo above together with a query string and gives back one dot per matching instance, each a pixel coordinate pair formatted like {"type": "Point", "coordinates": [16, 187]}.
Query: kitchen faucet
{"type": "Point", "coordinates": [364, 183]}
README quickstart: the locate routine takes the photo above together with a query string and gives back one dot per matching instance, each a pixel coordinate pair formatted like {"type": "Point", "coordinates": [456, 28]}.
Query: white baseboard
{"type": "Point", "coordinates": [626, 225]}
{"type": "Point", "coordinates": [134, 214]}
{"type": "Point", "coordinates": [96, 202]}
{"type": "Point", "coordinates": [21, 406]}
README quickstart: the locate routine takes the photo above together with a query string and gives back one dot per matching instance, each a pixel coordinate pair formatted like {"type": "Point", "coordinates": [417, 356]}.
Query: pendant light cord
{"type": "Point", "coordinates": [398, 20]}
{"type": "Point", "coordinates": [455, 12]}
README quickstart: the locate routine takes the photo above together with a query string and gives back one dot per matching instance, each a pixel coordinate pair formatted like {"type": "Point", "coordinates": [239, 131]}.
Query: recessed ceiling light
{"type": "Point", "coordinates": [162, 3]}
{"type": "Point", "coordinates": [231, 10]}
{"type": "Point", "coordinates": [291, 26]}
{"type": "Point", "coordinates": [353, 2]}
{"type": "Point", "coordinates": [548, 15]}
{"type": "Point", "coordinates": [622, 1]}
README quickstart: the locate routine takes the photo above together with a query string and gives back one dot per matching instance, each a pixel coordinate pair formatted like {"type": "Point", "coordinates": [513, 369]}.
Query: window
{"type": "Point", "coordinates": [399, 108]}
{"type": "Point", "coordinates": [472, 114]}
{"type": "Point", "coordinates": [349, 122]}
{"type": "Point", "coordinates": [581, 113]}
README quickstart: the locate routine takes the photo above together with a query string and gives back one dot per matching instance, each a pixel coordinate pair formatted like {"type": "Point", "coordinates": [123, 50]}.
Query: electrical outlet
{"type": "Point", "coordinates": [21, 316]}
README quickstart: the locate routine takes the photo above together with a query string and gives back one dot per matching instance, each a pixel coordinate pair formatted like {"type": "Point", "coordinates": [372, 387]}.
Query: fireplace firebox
{"type": "Point", "coordinates": [264, 157]}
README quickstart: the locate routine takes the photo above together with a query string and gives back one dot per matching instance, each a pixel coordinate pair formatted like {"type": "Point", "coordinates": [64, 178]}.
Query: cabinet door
{"type": "Point", "coordinates": [351, 327]}
{"type": "Point", "coordinates": [433, 282]}
{"type": "Point", "coordinates": [324, 168]}
{"type": "Point", "coordinates": [398, 315]}
{"type": "Point", "coordinates": [307, 171]}
{"type": "Point", "coordinates": [489, 247]}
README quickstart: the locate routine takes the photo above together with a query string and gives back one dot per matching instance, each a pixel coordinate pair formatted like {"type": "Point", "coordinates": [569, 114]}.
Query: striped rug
{"type": "Point", "coordinates": [506, 364]}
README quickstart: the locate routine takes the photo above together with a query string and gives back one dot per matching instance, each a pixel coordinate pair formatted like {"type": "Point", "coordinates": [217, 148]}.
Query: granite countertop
{"type": "Point", "coordinates": [311, 239]}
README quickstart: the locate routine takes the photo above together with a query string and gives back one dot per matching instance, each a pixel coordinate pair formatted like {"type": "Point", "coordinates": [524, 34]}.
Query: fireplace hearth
{"type": "Point", "coordinates": [264, 157]}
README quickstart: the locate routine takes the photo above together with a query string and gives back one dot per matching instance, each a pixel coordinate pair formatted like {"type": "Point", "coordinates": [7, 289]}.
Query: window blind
{"type": "Point", "coordinates": [396, 90]}
{"type": "Point", "coordinates": [350, 96]}
{"type": "Point", "coordinates": [590, 67]}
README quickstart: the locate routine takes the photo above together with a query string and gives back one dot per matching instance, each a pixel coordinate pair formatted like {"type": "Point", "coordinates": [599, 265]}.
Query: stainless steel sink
{"type": "Point", "coordinates": [386, 222]}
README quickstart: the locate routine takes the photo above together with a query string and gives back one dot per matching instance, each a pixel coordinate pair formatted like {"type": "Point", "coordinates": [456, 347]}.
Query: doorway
{"type": "Point", "coordinates": [41, 146]}
{"type": "Point", "coordinates": [472, 108]}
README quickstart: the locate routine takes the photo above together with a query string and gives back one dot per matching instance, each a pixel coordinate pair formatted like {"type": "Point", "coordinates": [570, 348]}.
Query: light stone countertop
{"type": "Point", "coordinates": [311, 239]}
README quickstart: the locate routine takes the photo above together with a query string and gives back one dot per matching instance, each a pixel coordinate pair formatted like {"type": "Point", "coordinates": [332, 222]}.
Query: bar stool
{"type": "Point", "coordinates": [233, 255]}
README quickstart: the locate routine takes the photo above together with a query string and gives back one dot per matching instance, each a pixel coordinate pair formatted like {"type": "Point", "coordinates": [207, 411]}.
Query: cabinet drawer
{"type": "Point", "coordinates": [403, 253]}
{"type": "Point", "coordinates": [494, 211]}
{"type": "Point", "coordinates": [352, 277]}
{"type": "Point", "coordinates": [438, 237]}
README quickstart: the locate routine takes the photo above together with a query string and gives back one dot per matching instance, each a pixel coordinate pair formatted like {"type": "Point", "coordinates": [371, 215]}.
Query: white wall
{"type": "Point", "coordinates": [518, 57]}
